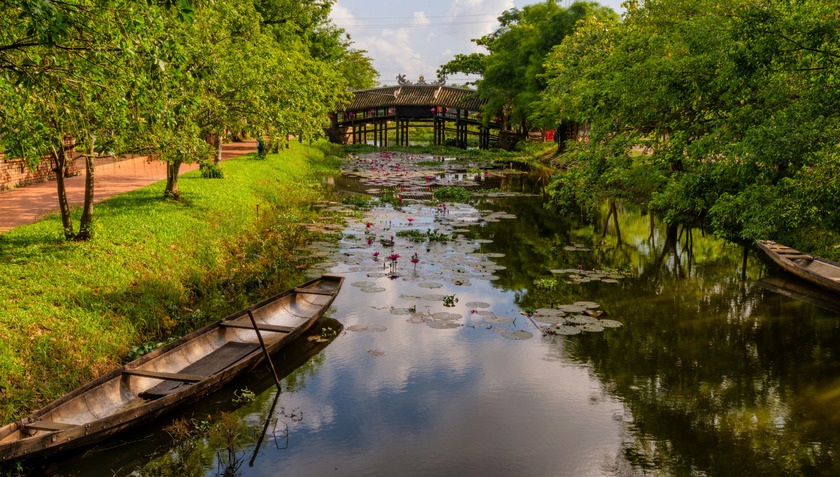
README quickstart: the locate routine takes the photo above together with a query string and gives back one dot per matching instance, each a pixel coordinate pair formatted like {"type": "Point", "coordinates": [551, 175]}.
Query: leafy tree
{"type": "Point", "coordinates": [734, 102]}
{"type": "Point", "coordinates": [512, 70]}
{"type": "Point", "coordinates": [65, 70]}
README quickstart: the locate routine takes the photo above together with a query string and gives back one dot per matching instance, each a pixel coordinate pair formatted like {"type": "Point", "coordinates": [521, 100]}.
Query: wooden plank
{"type": "Point", "coordinates": [209, 365]}
{"type": "Point", "coordinates": [262, 327]}
{"type": "Point", "coordinates": [313, 291]}
{"type": "Point", "coordinates": [183, 377]}
{"type": "Point", "coordinates": [797, 257]}
{"type": "Point", "coordinates": [49, 426]}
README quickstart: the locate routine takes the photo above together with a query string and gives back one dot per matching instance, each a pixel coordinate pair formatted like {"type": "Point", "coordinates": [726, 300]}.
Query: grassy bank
{"type": "Point", "coordinates": [72, 311]}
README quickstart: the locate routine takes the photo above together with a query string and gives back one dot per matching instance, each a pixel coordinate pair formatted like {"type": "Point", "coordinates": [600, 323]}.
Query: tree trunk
{"type": "Point", "coordinates": [59, 156]}
{"type": "Point", "coordinates": [613, 212]}
{"type": "Point", "coordinates": [218, 145]}
{"type": "Point", "coordinates": [172, 190]}
{"type": "Point", "coordinates": [86, 225]}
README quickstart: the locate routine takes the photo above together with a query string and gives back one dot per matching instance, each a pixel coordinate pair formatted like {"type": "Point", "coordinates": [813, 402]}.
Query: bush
{"type": "Point", "coordinates": [211, 170]}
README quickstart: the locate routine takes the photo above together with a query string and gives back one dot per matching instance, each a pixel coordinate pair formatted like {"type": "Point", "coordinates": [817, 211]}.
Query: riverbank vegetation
{"type": "Point", "coordinates": [71, 311]}
{"type": "Point", "coordinates": [717, 114]}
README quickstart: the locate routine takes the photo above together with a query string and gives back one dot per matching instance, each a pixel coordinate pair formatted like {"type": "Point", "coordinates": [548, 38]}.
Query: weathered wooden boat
{"type": "Point", "coordinates": [179, 373]}
{"type": "Point", "coordinates": [816, 270]}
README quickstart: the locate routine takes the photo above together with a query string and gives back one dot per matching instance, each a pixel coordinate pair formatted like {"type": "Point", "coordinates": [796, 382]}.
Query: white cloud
{"type": "Point", "coordinates": [420, 19]}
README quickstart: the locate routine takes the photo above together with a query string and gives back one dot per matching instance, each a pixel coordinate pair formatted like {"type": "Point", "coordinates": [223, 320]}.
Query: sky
{"type": "Point", "coordinates": [416, 37]}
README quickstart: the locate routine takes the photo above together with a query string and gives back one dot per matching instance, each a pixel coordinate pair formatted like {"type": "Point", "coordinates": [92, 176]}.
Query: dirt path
{"type": "Point", "coordinates": [26, 205]}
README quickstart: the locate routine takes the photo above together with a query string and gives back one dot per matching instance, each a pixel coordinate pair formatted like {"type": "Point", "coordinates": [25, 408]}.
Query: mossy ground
{"type": "Point", "coordinates": [70, 312]}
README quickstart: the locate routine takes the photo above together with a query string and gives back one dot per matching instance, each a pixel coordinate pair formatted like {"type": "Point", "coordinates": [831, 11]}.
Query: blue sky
{"type": "Point", "coordinates": [416, 37]}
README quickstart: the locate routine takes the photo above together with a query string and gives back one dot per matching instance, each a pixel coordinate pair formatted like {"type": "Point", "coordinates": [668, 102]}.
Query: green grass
{"type": "Point", "coordinates": [71, 311]}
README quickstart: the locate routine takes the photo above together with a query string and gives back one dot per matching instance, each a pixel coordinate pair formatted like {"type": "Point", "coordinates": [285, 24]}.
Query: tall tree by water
{"type": "Point", "coordinates": [513, 67]}
{"type": "Point", "coordinates": [729, 106]}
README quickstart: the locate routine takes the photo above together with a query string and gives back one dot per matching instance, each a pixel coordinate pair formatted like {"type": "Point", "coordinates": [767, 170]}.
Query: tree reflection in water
{"type": "Point", "coordinates": [719, 376]}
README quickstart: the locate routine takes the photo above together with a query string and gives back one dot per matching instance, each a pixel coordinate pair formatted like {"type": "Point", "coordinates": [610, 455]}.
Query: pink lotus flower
{"type": "Point", "coordinates": [375, 254]}
{"type": "Point", "coordinates": [580, 267]}
{"type": "Point", "coordinates": [368, 224]}
{"type": "Point", "coordinates": [410, 220]}
{"type": "Point", "coordinates": [393, 257]}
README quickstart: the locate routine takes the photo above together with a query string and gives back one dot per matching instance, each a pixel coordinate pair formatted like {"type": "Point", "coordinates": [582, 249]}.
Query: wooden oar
{"type": "Point", "coordinates": [267, 356]}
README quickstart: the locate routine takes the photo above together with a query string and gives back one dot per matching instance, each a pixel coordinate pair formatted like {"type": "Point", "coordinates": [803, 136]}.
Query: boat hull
{"type": "Point", "coordinates": [113, 402]}
{"type": "Point", "coordinates": [818, 271]}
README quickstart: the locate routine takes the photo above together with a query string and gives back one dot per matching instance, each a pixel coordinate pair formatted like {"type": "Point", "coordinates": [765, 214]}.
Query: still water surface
{"type": "Point", "coordinates": [710, 374]}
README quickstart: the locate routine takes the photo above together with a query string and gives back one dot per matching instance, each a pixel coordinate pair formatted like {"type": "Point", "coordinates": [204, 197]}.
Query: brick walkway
{"type": "Point", "coordinates": [26, 205]}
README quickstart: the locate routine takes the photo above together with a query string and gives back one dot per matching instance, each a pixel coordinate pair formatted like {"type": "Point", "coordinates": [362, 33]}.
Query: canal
{"type": "Point", "coordinates": [520, 342]}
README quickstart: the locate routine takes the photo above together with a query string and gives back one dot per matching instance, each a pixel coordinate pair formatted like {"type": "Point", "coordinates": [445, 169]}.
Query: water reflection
{"type": "Point", "coordinates": [711, 374]}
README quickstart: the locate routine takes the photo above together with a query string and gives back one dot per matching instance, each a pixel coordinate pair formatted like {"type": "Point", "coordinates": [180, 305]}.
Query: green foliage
{"type": "Point", "coordinates": [512, 71]}
{"type": "Point", "coordinates": [211, 171]}
{"type": "Point", "coordinates": [328, 332]}
{"type": "Point", "coordinates": [449, 301]}
{"type": "Point", "coordinates": [242, 396]}
{"type": "Point", "coordinates": [390, 197]}
{"type": "Point", "coordinates": [716, 113]}
{"type": "Point", "coordinates": [357, 200]}
{"type": "Point", "coordinates": [146, 348]}
{"type": "Point", "coordinates": [431, 235]}
{"type": "Point", "coordinates": [452, 194]}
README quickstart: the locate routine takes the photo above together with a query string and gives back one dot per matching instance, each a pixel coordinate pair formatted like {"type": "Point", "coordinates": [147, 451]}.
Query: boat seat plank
{"type": "Point", "coordinates": [797, 257]}
{"type": "Point", "coordinates": [49, 426]}
{"type": "Point", "coordinates": [313, 291]}
{"type": "Point", "coordinates": [215, 362]}
{"type": "Point", "coordinates": [260, 326]}
{"type": "Point", "coordinates": [190, 378]}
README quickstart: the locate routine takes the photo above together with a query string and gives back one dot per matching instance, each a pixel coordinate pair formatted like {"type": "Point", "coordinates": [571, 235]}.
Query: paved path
{"type": "Point", "coordinates": [26, 205]}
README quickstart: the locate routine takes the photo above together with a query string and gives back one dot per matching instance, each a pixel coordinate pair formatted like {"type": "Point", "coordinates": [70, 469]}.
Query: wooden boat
{"type": "Point", "coordinates": [182, 372]}
{"type": "Point", "coordinates": [816, 270]}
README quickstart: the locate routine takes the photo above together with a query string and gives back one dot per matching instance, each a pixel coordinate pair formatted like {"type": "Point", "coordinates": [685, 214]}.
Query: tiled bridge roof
{"type": "Point", "coordinates": [415, 95]}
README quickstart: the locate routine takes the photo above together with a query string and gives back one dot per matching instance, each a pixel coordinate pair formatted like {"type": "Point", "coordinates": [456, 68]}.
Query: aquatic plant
{"type": "Point", "coordinates": [452, 194]}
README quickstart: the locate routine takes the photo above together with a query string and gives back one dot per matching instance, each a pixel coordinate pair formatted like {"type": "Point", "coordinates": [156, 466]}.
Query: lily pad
{"type": "Point", "coordinates": [592, 327]}
{"type": "Point", "coordinates": [446, 316]}
{"type": "Point", "coordinates": [552, 319]}
{"type": "Point", "coordinates": [517, 335]}
{"type": "Point", "coordinates": [587, 304]}
{"type": "Point", "coordinates": [357, 328]}
{"type": "Point", "coordinates": [377, 329]}
{"type": "Point", "coordinates": [610, 323]}
{"type": "Point", "coordinates": [571, 308]}
{"type": "Point", "coordinates": [434, 297]}
{"type": "Point", "coordinates": [442, 324]}
{"type": "Point", "coordinates": [363, 284]}
{"type": "Point", "coordinates": [566, 330]}
{"type": "Point", "coordinates": [484, 313]}
{"type": "Point", "coordinates": [401, 311]}
{"type": "Point", "coordinates": [477, 304]}
{"type": "Point", "coordinates": [410, 297]}
{"type": "Point", "coordinates": [372, 289]}
{"type": "Point", "coordinates": [418, 319]}
{"type": "Point", "coordinates": [581, 320]}
{"type": "Point", "coordinates": [430, 285]}
{"type": "Point", "coordinates": [498, 320]}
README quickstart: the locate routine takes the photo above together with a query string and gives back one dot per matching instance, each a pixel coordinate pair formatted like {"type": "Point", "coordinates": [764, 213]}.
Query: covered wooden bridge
{"type": "Point", "coordinates": [384, 115]}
